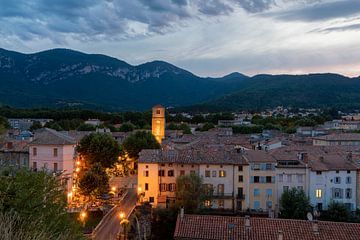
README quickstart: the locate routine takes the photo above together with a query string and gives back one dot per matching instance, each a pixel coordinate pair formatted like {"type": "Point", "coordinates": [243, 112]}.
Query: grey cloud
{"type": "Point", "coordinates": [352, 27]}
{"type": "Point", "coordinates": [255, 6]}
{"type": "Point", "coordinates": [321, 11]}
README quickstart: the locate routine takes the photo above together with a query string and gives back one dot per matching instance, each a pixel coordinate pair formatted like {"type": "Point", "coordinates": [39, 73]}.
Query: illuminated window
{"type": "Point", "coordinates": [318, 193]}
{"type": "Point", "coordinates": [221, 203]}
{"type": "Point", "coordinates": [207, 203]}
{"type": "Point", "coordinates": [158, 111]}
{"type": "Point", "coordinates": [222, 173]}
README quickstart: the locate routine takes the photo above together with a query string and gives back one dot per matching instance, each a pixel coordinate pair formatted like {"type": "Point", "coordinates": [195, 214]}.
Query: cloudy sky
{"type": "Point", "coordinates": [207, 37]}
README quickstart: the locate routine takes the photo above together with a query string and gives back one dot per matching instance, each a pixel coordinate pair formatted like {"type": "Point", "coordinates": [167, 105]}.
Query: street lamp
{"type": "Point", "coordinates": [70, 194]}
{"type": "Point", "coordinates": [83, 216]}
{"type": "Point", "coordinates": [113, 189]}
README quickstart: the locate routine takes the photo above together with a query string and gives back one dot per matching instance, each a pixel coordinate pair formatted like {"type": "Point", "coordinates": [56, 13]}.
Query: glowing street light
{"type": "Point", "coordinates": [83, 216]}
{"type": "Point", "coordinates": [139, 189]}
{"type": "Point", "coordinates": [121, 215]}
{"type": "Point", "coordinates": [77, 169]}
{"type": "Point", "coordinates": [113, 189]}
{"type": "Point", "coordinates": [78, 163]}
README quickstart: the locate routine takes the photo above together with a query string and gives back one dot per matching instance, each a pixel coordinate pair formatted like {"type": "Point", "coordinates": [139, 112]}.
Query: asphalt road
{"type": "Point", "coordinates": [110, 228]}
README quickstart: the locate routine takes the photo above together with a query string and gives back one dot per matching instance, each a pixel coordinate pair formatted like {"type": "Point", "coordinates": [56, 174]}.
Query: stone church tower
{"type": "Point", "coordinates": [158, 122]}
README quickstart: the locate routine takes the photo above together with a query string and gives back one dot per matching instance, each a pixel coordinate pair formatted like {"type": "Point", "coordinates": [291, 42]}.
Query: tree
{"type": "Point", "coordinates": [190, 192]}
{"type": "Point", "coordinates": [36, 197]}
{"type": "Point", "coordinates": [86, 127]}
{"type": "Point", "coordinates": [94, 182]}
{"type": "Point", "coordinates": [138, 141]}
{"type": "Point", "coordinates": [337, 212]}
{"type": "Point", "coordinates": [206, 127]}
{"type": "Point", "coordinates": [127, 127]}
{"type": "Point", "coordinates": [36, 125]}
{"type": "Point", "coordinates": [294, 204]}
{"type": "Point", "coordinates": [99, 148]}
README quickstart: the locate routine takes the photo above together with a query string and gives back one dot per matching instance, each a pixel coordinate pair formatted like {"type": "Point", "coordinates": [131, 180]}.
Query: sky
{"type": "Point", "coordinates": [206, 37]}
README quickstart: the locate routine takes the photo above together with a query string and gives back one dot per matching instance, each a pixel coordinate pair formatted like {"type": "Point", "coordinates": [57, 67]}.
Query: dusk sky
{"type": "Point", "coordinates": [206, 37]}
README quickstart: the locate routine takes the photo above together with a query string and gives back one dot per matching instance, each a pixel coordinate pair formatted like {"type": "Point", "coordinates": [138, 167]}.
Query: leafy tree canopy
{"type": "Point", "coordinates": [138, 141]}
{"type": "Point", "coordinates": [294, 204]}
{"type": "Point", "coordinates": [99, 148]}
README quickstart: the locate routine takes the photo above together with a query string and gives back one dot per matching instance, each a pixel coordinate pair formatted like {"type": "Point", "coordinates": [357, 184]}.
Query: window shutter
{"type": "Point", "coordinates": [273, 179]}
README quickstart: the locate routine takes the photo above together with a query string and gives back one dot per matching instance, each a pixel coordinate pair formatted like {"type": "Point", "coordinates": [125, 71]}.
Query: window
{"type": "Point", "coordinates": [158, 111]}
{"type": "Point", "coordinates": [285, 188]}
{"type": "Point", "coordinates": [207, 173]}
{"type": "Point", "coordinates": [161, 173]}
{"type": "Point", "coordinates": [163, 165]}
{"type": "Point", "coordinates": [241, 178]}
{"type": "Point", "coordinates": [288, 177]}
{"type": "Point", "coordinates": [34, 151]}
{"type": "Point", "coordinates": [172, 187]}
{"type": "Point", "coordinates": [281, 177]}
{"type": "Point", "coordinates": [240, 168]}
{"type": "Point", "coordinates": [221, 189]}
{"type": "Point", "coordinates": [146, 186]}
{"type": "Point", "coordinates": [256, 204]}
{"type": "Point", "coordinates": [256, 167]}
{"type": "Point", "coordinates": [268, 179]}
{"type": "Point", "coordinates": [256, 192]}
{"type": "Point", "coordinates": [337, 180]}
{"type": "Point", "coordinates": [55, 152]}
{"type": "Point", "coordinates": [46, 166]}
{"type": "Point", "coordinates": [221, 203]}
{"type": "Point", "coordinates": [170, 173]}
{"type": "Point", "coordinates": [318, 193]}
{"type": "Point", "coordinates": [268, 166]}
{"type": "Point", "coordinates": [318, 172]}
{"type": "Point", "coordinates": [146, 173]}
{"type": "Point", "coordinates": [300, 188]}
{"type": "Point", "coordinates": [256, 179]}
{"type": "Point", "coordinates": [337, 193]}
{"type": "Point", "coordinates": [269, 192]}
{"type": "Point", "coordinates": [192, 172]}
{"type": "Point", "coordinates": [348, 180]}
{"type": "Point", "coordinates": [35, 166]}
{"type": "Point", "coordinates": [55, 167]}
{"type": "Point", "coordinates": [319, 206]}
{"type": "Point", "coordinates": [213, 173]}
{"type": "Point", "coordinates": [300, 178]}
{"type": "Point", "coordinates": [222, 173]}
{"type": "Point", "coordinates": [348, 193]}
{"type": "Point", "coordinates": [170, 164]}
{"type": "Point", "coordinates": [151, 199]}
{"type": "Point", "coordinates": [146, 166]}
{"type": "Point", "coordinates": [207, 203]}
{"type": "Point", "coordinates": [269, 204]}
{"type": "Point", "coordinates": [348, 171]}
{"type": "Point", "coordinates": [162, 187]}
{"type": "Point", "coordinates": [182, 172]}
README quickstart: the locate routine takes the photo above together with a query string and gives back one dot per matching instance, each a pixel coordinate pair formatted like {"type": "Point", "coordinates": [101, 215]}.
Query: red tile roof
{"type": "Point", "coordinates": [225, 227]}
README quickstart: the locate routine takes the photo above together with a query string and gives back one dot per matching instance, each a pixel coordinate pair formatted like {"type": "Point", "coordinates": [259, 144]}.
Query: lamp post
{"type": "Point", "coordinates": [123, 222]}
{"type": "Point", "coordinates": [83, 216]}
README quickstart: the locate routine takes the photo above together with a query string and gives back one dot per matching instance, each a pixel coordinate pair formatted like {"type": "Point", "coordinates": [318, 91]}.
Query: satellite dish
{"type": "Point", "coordinates": [309, 216]}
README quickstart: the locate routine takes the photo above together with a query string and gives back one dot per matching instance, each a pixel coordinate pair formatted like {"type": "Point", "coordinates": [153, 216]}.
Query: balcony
{"type": "Point", "coordinates": [221, 195]}
{"type": "Point", "coordinates": [240, 196]}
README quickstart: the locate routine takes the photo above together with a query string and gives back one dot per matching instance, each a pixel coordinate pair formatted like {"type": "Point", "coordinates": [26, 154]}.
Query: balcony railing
{"type": "Point", "coordinates": [240, 196]}
{"type": "Point", "coordinates": [220, 195]}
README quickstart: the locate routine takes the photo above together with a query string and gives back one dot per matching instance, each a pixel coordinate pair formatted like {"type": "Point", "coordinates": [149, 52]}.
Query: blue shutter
{"type": "Point", "coordinates": [273, 179]}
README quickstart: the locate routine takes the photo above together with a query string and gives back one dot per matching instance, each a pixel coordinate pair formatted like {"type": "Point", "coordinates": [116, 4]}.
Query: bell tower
{"type": "Point", "coordinates": [158, 122]}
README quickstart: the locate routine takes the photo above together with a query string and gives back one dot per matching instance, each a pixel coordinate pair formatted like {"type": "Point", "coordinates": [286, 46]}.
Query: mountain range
{"type": "Point", "coordinates": [67, 78]}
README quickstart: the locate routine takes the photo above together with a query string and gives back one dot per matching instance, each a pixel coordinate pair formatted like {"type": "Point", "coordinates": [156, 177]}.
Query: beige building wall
{"type": "Point", "coordinates": [241, 182]}
{"type": "Point", "coordinates": [262, 195]}
{"type": "Point", "coordinates": [221, 178]}
{"type": "Point", "coordinates": [148, 181]}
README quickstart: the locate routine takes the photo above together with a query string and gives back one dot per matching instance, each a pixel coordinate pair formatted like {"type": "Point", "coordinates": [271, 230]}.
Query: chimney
{"type": "Point", "coordinates": [9, 145]}
{"type": "Point", "coordinates": [247, 222]}
{"type": "Point", "coordinates": [315, 227]}
{"type": "Point", "coordinates": [305, 158]}
{"type": "Point", "coordinates": [280, 235]}
{"type": "Point", "coordinates": [349, 156]}
{"type": "Point", "coordinates": [182, 212]}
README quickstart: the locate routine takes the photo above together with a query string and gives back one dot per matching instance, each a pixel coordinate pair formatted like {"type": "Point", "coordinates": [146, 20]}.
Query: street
{"type": "Point", "coordinates": [111, 226]}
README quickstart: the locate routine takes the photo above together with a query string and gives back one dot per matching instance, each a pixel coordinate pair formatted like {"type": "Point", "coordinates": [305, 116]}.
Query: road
{"type": "Point", "coordinates": [111, 226]}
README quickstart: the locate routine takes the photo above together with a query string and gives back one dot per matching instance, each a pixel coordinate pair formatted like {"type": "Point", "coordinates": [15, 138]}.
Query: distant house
{"type": "Point", "coordinates": [25, 123]}
{"type": "Point", "coordinates": [14, 154]}
{"type": "Point", "coordinates": [209, 227]}
{"type": "Point", "coordinates": [344, 139]}
{"type": "Point", "coordinates": [93, 122]}
{"type": "Point", "coordinates": [53, 152]}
